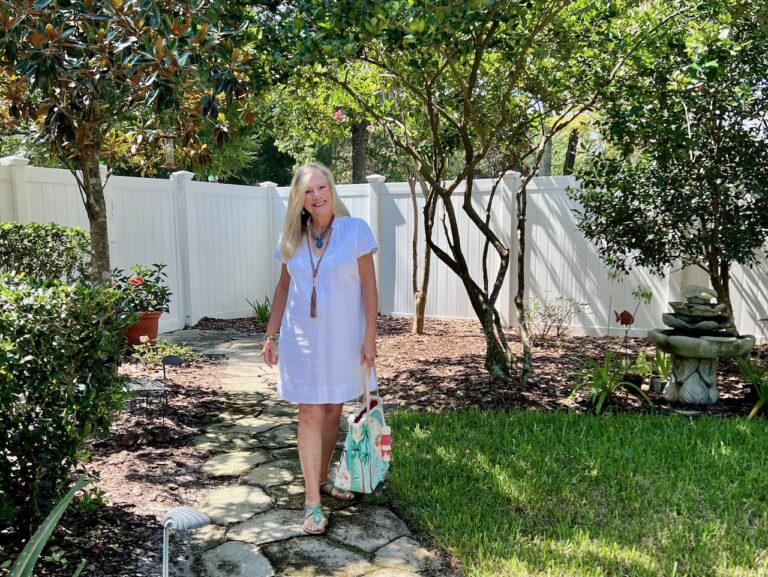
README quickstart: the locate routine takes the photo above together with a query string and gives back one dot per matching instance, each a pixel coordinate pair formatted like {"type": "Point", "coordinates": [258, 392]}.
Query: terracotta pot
{"type": "Point", "coordinates": [146, 326]}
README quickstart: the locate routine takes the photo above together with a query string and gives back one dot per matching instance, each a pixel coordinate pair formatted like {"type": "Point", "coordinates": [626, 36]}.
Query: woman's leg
{"type": "Point", "coordinates": [310, 439]}
{"type": "Point", "coordinates": [330, 435]}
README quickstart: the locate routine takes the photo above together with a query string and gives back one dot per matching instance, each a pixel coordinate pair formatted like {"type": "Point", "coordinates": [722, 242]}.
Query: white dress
{"type": "Point", "coordinates": [319, 358]}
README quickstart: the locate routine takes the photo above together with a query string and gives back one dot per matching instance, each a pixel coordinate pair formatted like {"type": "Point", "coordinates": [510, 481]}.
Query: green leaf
{"type": "Point", "coordinates": [27, 559]}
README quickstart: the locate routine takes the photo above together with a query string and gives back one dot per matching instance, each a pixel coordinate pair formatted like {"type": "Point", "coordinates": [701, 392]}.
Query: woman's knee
{"type": "Point", "coordinates": [311, 414]}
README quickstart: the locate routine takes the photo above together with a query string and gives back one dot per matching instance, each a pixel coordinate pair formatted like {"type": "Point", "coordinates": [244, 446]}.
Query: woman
{"type": "Point", "coordinates": [324, 307]}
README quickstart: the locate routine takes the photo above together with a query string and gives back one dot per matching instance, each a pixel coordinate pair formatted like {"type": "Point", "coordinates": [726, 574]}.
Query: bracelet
{"type": "Point", "coordinates": [269, 337]}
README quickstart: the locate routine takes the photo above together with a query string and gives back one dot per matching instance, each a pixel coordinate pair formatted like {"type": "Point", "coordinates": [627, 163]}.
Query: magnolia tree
{"type": "Point", "coordinates": [478, 75]}
{"type": "Point", "coordinates": [685, 182]}
{"type": "Point", "coordinates": [99, 80]}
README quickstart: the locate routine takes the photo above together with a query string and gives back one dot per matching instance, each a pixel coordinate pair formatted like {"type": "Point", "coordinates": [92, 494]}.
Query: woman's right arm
{"type": "Point", "coordinates": [279, 299]}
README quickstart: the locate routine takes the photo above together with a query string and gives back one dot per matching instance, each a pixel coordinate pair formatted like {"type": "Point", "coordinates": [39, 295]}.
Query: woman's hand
{"type": "Point", "coordinates": [269, 352]}
{"type": "Point", "coordinates": [368, 352]}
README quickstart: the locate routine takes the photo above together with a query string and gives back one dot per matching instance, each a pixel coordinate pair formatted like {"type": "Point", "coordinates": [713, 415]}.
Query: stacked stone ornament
{"type": "Point", "coordinates": [697, 337]}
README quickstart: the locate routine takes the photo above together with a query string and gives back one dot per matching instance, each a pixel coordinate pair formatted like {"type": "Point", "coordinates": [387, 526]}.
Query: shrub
{"type": "Point", "coordinates": [552, 319]}
{"type": "Point", "coordinates": [60, 347]}
{"type": "Point", "coordinates": [44, 250]}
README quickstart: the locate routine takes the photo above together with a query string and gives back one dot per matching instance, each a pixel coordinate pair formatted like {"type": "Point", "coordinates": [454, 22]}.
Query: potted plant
{"type": "Point", "coordinates": [661, 365]}
{"type": "Point", "coordinates": [147, 294]}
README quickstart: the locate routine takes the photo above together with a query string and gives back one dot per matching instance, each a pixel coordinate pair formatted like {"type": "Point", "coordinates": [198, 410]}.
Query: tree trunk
{"type": "Point", "coordinates": [96, 207]}
{"type": "Point", "coordinates": [721, 280]}
{"type": "Point", "coordinates": [498, 358]}
{"type": "Point", "coordinates": [419, 288]}
{"type": "Point", "coordinates": [525, 337]}
{"type": "Point", "coordinates": [570, 152]}
{"type": "Point", "coordinates": [359, 151]}
{"type": "Point", "coordinates": [545, 164]}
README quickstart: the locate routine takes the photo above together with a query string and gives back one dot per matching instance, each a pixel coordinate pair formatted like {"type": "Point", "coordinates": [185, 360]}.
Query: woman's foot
{"type": "Point", "coordinates": [328, 488]}
{"type": "Point", "coordinates": [315, 521]}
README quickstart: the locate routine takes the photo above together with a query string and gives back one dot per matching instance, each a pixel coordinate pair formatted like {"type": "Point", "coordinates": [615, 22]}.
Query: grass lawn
{"type": "Point", "coordinates": [546, 493]}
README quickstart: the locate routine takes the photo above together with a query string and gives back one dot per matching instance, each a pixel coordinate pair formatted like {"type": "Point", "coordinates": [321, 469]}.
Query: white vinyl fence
{"type": "Point", "coordinates": [218, 240]}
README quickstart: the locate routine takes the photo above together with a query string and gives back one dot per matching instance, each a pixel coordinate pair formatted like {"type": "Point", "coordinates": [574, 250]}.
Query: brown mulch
{"type": "Point", "coordinates": [145, 468]}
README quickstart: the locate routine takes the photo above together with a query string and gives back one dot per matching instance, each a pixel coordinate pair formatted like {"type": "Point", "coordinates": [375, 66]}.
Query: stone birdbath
{"type": "Point", "coordinates": [696, 339]}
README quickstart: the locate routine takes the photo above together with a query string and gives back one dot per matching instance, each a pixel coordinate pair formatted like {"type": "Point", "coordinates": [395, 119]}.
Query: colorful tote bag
{"type": "Point", "coordinates": [367, 448]}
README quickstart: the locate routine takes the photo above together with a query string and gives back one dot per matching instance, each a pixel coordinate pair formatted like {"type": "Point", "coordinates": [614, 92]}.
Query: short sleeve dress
{"type": "Point", "coordinates": [319, 358]}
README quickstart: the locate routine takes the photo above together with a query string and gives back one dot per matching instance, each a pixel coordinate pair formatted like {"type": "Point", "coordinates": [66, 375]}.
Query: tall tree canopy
{"type": "Point", "coordinates": [97, 80]}
{"type": "Point", "coordinates": [477, 74]}
{"type": "Point", "coordinates": [686, 183]}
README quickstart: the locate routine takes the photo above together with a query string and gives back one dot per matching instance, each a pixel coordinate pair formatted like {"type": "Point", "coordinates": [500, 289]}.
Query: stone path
{"type": "Point", "coordinates": [257, 513]}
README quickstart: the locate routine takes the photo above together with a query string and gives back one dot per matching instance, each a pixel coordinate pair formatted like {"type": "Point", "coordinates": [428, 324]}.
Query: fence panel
{"type": "Point", "coordinates": [561, 262]}
{"type": "Point", "coordinates": [142, 225]}
{"type": "Point", "coordinates": [226, 235]}
{"type": "Point", "coordinates": [230, 249]}
{"type": "Point", "coordinates": [6, 198]}
{"type": "Point", "coordinates": [52, 196]}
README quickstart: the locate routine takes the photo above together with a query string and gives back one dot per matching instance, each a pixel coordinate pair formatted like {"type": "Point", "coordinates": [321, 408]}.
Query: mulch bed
{"type": "Point", "coordinates": [145, 468]}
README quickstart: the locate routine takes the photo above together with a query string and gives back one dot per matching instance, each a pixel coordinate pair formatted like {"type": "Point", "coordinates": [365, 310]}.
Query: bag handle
{"type": "Point", "coordinates": [367, 393]}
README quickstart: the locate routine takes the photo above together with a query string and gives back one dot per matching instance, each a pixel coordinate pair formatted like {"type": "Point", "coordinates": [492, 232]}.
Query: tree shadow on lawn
{"type": "Point", "coordinates": [553, 516]}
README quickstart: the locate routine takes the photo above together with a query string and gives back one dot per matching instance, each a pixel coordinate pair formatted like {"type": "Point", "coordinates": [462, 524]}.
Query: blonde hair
{"type": "Point", "coordinates": [295, 224]}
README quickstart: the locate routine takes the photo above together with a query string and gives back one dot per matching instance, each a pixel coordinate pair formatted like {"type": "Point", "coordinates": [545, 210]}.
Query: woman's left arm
{"type": "Point", "coordinates": [370, 307]}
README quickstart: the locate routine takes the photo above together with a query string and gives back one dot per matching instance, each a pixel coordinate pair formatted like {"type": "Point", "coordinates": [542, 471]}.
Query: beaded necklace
{"type": "Point", "coordinates": [319, 237]}
{"type": "Point", "coordinates": [315, 268]}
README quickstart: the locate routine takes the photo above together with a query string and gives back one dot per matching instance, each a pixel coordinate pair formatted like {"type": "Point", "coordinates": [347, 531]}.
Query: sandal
{"type": "Point", "coordinates": [314, 514]}
{"type": "Point", "coordinates": [335, 492]}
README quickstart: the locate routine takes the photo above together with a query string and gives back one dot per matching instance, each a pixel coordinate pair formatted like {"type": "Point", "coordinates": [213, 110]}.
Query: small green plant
{"type": "Point", "coordinates": [661, 364]}
{"type": "Point", "coordinates": [757, 376]}
{"type": "Point", "coordinates": [642, 365]}
{"type": "Point", "coordinates": [91, 500]}
{"type": "Point", "coordinates": [261, 310]}
{"type": "Point", "coordinates": [552, 319]}
{"type": "Point", "coordinates": [151, 355]}
{"type": "Point", "coordinates": [604, 380]}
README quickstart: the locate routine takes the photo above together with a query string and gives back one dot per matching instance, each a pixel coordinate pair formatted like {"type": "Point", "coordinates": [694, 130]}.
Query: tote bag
{"type": "Point", "coordinates": [367, 448]}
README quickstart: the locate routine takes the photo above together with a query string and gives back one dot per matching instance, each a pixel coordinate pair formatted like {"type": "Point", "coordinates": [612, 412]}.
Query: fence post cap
{"type": "Point", "coordinates": [376, 178]}
{"type": "Point", "coordinates": [14, 160]}
{"type": "Point", "coordinates": [185, 174]}
{"type": "Point", "coordinates": [268, 184]}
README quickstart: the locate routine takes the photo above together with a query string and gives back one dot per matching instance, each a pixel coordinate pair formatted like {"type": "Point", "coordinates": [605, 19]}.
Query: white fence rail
{"type": "Point", "coordinates": [217, 241]}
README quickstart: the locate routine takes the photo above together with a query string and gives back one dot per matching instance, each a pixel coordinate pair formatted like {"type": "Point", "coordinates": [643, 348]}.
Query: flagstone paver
{"type": "Point", "coordinates": [233, 464]}
{"type": "Point", "coordinates": [256, 523]}
{"type": "Point", "coordinates": [367, 528]}
{"type": "Point", "coordinates": [235, 504]}
{"type": "Point", "coordinates": [236, 560]}
{"type": "Point", "coordinates": [316, 556]}
{"type": "Point", "coordinates": [275, 473]}
{"type": "Point", "coordinates": [406, 552]}
{"type": "Point", "coordinates": [275, 525]}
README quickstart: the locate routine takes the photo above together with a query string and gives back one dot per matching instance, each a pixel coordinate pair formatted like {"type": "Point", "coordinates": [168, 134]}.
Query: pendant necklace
{"type": "Point", "coordinates": [319, 237]}
{"type": "Point", "coordinates": [315, 268]}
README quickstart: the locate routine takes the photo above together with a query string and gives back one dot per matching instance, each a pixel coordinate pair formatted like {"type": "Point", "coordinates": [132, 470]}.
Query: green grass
{"type": "Point", "coordinates": [533, 493]}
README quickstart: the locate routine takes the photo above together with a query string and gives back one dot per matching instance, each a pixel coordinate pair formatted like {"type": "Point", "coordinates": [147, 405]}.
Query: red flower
{"type": "Point", "coordinates": [136, 281]}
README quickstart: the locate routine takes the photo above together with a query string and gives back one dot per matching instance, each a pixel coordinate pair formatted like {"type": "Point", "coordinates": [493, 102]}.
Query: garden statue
{"type": "Point", "coordinates": [696, 339]}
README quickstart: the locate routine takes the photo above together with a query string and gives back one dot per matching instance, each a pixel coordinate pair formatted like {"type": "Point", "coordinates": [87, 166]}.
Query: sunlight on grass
{"type": "Point", "coordinates": [530, 493]}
